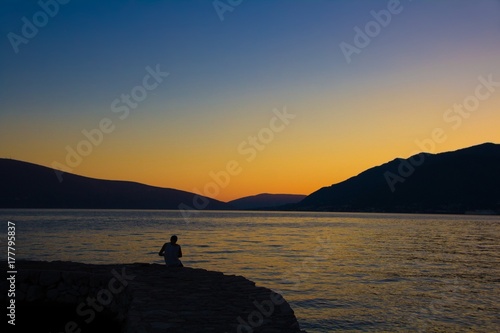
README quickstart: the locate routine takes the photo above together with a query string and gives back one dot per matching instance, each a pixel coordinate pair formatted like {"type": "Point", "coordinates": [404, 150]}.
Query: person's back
{"type": "Point", "coordinates": [172, 252]}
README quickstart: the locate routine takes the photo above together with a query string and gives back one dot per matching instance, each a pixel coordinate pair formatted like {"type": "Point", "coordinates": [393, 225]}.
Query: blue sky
{"type": "Point", "coordinates": [225, 78]}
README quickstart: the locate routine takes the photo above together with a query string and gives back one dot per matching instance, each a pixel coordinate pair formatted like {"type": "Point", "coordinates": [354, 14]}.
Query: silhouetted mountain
{"type": "Point", "coordinates": [466, 180]}
{"type": "Point", "coordinates": [27, 185]}
{"type": "Point", "coordinates": [266, 201]}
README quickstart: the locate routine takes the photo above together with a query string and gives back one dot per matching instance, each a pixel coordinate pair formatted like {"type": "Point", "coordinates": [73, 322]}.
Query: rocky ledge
{"type": "Point", "coordinates": [73, 297]}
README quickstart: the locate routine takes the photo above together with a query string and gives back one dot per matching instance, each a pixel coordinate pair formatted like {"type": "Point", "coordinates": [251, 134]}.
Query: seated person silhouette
{"type": "Point", "coordinates": [172, 252]}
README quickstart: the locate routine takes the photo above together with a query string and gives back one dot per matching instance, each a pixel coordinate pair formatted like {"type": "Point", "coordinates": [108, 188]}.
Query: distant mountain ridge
{"type": "Point", "coordinates": [265, 201]}
{"type": "Point", "coordinates": [462, 181]}
{"type": "Point", "coordinates": [27, 185]}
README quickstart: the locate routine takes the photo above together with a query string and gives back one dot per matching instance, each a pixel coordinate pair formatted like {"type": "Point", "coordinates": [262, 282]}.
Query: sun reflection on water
{"type": "Point", "coordinates": [349, 272]}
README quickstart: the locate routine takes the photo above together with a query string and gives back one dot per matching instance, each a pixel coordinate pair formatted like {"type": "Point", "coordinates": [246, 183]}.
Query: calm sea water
{"type": "Point", "coordinates": [339, 272]}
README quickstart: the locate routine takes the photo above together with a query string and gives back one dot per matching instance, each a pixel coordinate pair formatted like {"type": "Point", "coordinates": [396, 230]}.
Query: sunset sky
{"type": "Point", "coordinates": [290, 96]}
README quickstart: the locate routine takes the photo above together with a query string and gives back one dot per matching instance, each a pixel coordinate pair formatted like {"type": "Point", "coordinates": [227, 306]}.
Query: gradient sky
{"type": "Point", "coordinates": [227, 76]}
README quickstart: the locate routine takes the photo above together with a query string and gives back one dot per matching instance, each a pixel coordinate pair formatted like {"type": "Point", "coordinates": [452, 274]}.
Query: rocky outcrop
{"type": "Point", "coordinates": [153, 298]}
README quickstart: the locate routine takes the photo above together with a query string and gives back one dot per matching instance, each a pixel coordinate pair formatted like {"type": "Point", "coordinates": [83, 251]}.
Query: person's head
{"type": "Point", "coordinates": [173, 239]}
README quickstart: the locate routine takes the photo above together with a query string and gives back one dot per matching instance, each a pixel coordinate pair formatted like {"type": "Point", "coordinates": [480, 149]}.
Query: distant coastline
{"type": "Point", "coordinates": [465, 181]}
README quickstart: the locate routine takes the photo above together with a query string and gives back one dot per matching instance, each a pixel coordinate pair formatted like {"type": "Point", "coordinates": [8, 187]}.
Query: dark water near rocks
{"type": "Point", "coordinates": [339, 272]}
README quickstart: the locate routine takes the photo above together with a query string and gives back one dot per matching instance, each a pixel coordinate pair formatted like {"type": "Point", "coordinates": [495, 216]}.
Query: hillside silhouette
{"type": "Point", "coordinates": [265, 201]}
{"type": "Point", "coordinates": [27, 185]}
{"type": "Point", "coordinates": [462, 181]}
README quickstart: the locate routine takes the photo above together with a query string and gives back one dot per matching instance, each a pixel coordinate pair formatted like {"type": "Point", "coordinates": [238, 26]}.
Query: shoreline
{"type": "Point", "coordinates": [142, 297]}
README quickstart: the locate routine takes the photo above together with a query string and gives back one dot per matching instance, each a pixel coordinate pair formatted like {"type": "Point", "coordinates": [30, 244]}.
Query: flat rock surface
{"type": "Point", "coordinates": [183, 299]}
